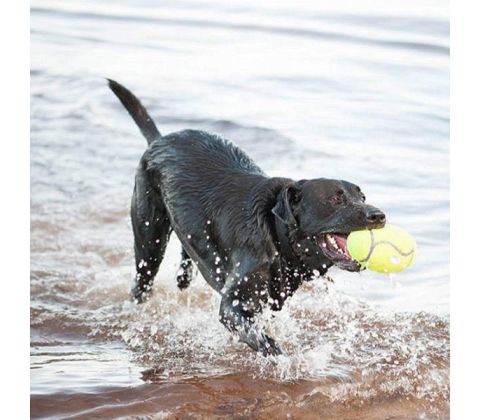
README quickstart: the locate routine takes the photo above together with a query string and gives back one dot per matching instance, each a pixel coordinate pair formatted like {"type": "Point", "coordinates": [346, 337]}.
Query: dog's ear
{"type": "Point", "coordinates": [287, 199]}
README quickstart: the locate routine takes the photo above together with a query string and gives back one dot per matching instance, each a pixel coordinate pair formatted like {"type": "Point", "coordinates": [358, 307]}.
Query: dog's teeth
{"type": "Point", "coordinates": [332, 241]}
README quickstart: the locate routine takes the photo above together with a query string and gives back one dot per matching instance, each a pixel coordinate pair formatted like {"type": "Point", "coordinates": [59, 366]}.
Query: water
{"type": "Point", "coordinates": [343, 90]}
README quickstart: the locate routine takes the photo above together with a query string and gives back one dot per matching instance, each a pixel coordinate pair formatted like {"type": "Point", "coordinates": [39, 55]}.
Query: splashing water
{"type": "Point", "coordinates": [350, 350]}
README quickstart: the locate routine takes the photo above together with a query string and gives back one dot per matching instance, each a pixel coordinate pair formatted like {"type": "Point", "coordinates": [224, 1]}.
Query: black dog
{"type": "Point", "coordinates": [253, 238]}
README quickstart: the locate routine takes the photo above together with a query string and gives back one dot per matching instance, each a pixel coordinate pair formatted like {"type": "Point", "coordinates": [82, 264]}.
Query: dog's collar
{"type": "Point", "coordinates": [287, 240]}
{"type": "Point", "coordinates": [283, 237]}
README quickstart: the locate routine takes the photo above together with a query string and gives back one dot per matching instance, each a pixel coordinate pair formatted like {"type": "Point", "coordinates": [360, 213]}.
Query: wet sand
{"type": "Point", "coordinates": [231, 396]}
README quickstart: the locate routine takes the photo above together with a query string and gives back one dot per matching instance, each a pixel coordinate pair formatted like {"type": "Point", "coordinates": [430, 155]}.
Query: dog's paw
{"type": "Point", "coordinates": [140, 293]}
{"type": "Point", "coordinates": [184, 279]}
{"type": "Point", "coordinates": [269, 347]}
{"type": "Point", "coordinates": [184, 275]}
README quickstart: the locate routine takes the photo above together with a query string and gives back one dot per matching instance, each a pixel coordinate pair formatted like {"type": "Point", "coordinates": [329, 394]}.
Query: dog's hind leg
{"type": "Point", "coordinates": [151, 229]}
{"type": "Point", "coordinates": [185, 271]}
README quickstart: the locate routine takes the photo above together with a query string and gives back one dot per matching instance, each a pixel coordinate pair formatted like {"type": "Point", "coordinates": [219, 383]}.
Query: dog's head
{"type": "Point", "coordinates": [319, 214]}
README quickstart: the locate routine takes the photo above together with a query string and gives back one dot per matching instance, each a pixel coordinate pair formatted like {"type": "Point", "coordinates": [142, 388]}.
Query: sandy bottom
{"type": "Point", "coordinates": [228, 396]}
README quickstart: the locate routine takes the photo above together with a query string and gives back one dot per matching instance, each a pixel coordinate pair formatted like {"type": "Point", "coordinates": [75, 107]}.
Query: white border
{"type": "Point", "coordinates": [15, 209]}
{"type": "Point", "coordinates": [465, 208]}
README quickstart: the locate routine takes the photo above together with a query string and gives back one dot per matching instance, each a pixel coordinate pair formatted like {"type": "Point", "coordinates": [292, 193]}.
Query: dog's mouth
{"type": "Point", "coordinates": [334, 247]}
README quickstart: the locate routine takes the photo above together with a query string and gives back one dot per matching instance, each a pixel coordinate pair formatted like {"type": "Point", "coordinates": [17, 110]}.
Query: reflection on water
{"type": "Point", "coordinates": [358, 92]}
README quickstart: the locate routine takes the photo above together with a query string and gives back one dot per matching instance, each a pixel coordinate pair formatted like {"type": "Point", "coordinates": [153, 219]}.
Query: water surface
{"type": "Point", "coordinates": [342, 90]}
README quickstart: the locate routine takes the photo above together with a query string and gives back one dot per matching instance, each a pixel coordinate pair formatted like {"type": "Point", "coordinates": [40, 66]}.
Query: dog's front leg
{"type": "Point", "coordinates": [241, 323]}
{"type": "Point", "coordinates": [242, 299]}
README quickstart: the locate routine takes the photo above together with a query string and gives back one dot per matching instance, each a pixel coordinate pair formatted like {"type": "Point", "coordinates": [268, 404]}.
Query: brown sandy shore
{"type": "Point", "coordinates": [235, 396]}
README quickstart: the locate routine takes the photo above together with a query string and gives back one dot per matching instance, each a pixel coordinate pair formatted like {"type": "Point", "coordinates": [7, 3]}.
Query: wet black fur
{"type": "Point", "coordinates": [253, 238]}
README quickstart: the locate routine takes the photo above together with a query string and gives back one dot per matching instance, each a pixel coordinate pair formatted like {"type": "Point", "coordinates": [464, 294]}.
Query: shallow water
{"type": "Point", "coordinates": [319, 91]}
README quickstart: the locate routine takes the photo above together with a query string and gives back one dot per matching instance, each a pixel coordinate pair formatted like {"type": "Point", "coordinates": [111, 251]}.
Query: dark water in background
{"type": "Point", "coordinates": [358, 92]}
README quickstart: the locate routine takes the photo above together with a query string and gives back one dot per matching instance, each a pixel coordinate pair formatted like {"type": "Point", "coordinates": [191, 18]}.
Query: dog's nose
{"type": "Point", "coordinates": [375, 217]}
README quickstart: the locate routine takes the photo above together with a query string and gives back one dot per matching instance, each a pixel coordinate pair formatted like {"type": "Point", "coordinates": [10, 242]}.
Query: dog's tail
{"type": "Point", "coordinates": [136, 110]}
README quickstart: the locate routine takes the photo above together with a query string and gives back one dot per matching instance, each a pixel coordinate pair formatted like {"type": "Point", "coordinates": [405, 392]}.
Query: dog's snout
{"type": "Point", "coordinates": [375, 217]}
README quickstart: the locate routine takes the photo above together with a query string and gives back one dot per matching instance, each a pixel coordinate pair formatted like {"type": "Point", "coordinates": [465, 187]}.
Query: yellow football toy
{"type": "Point", "coordinates": [386, 250]}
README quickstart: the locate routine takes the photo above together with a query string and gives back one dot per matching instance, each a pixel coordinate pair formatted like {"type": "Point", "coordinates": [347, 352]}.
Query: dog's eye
{"type": "Point", "coordinates": [337, 198]}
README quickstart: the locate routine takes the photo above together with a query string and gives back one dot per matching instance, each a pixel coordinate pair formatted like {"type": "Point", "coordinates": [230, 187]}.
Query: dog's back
{"type": "Point", "coordinates": [192, 155]}
{"type": "Point", "coordinates": [206, 176]}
